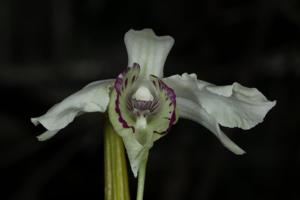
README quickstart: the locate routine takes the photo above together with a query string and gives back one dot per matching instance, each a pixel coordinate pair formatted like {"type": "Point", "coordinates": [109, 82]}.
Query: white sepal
{"type": "Point", "coordinates": [148, 50]}
{"type": "Point", "coordinates": [92, 98]}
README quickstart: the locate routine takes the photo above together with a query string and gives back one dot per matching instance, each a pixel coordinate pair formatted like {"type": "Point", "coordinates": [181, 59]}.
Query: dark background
{"type": "Point", "coordinates": [50, 49]}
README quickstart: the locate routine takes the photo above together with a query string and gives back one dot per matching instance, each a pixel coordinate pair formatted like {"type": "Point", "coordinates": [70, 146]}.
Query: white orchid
{"type": "Point", "coordinates": [142, 105]}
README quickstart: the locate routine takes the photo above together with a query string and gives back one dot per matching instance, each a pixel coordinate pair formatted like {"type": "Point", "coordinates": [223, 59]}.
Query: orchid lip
{"type": "Point", "coordinates": [140, 101]}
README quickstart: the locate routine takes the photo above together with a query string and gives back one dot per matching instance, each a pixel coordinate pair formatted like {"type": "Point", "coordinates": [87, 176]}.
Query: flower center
{"type": "Point", "coordinates": [142, 104]}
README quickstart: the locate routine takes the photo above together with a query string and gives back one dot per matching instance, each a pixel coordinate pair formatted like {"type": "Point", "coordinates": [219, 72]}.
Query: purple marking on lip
{"type": "Point", "coordinates": [119, 87]}
{"type": "Point", "coordinates": [169, 91]}
{"type": "Point", "coordinates": [125, 80]}
{"type": "Point", "coordinates": [121, 119]}
{"type": "Point", "coordinates": [172, 96]}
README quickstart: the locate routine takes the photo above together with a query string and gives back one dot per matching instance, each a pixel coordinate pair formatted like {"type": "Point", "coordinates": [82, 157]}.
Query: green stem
{"type": "Point", "coordinates": [115, 169]}
{"type": "Point", "coordinates": [141, 180]}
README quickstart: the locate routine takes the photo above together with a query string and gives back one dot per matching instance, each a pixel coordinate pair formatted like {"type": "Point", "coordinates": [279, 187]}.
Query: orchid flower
{"type": "Point", "coordinates": [143, 105]}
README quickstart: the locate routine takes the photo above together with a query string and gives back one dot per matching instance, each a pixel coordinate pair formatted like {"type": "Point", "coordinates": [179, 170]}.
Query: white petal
{"type": "Point", "coordinates": [235, 105]}
{"type": "Point", "coordinates": [148, 50]}
{"type": "Point", "coordinates": [92, 98]}
{"type": "Point", "coordinates": [232, 106]}
{"type": "Point", "coordinates": [190, 110]}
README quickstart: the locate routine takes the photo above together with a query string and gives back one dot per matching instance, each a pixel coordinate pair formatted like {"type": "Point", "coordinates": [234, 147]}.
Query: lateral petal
{"type": "Point", "coordinates": [235, 105]}
{"type": "Point", "coordinates": [92, 98]}
{"type": "Point", "coordinates": [231, 105]}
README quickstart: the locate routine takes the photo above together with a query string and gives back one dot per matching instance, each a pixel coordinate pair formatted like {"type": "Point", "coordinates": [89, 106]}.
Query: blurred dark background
{"type": "Point", "coordinates": [50, 49]}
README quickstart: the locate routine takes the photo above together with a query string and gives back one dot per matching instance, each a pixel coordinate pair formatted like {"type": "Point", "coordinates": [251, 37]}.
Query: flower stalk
{"type": "Point", "coordinates": [115, 169]}
{"type": "Point", "coordinates": [141, 180]}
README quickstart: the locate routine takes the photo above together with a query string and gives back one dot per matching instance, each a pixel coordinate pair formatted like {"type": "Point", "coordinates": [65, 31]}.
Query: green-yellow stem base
{"type": "Point", "coordinates": [116, 178]}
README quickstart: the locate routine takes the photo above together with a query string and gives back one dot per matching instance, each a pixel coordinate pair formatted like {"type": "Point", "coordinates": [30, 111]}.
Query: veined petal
{"type": "Point", "coordinates": [148, 50]}
{"type": "Point", "coordinates": [231, 106]}
{"type": "Point", "coordinates": [235, 105]}
{"type": "Point", "coordinates": [92, 98]}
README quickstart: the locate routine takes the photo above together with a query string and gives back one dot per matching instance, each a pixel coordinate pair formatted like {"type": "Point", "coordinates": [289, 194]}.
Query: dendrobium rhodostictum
{"type": "Point", "coordinates": [143, 105]}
